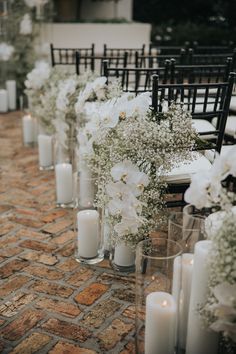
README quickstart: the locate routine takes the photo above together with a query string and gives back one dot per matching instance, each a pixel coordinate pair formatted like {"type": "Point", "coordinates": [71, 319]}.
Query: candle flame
{"type": "Point", "coordinates": [164, 303]}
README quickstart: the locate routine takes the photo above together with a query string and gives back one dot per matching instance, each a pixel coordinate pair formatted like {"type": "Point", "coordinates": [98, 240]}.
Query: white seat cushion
{"type": "Point", "coordinates": [183, 173]}
{"type": "Point", "coordinates": [233, 104]}
{"type": "Point", "coordinates": [202, 126]}
{"type": "Point", "coordinates": [230, 128]}
{"type": "Point", "coordinates": [210, 154]}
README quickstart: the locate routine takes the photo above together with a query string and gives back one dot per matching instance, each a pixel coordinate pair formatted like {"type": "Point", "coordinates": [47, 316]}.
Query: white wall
{"type": "Point", "coordinates": [106, 9]}
{"type": "Point", "coordinates": [73, 35]}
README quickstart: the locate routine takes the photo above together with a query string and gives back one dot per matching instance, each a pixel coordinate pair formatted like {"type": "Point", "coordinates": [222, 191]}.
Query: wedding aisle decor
{"type": "Point", "coordinates": [215, 190]}
{"type": "Point", "coordinates": [131, 150]}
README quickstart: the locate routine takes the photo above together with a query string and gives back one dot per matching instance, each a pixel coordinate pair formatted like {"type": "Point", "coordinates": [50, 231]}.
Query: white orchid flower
{"type": "Point", "coordinates": [141, 103]}
{"type": "Point", "coordinates": [129, 173]}
{"type": "Point", "coordinates": [117, 207]}
{"type": "Point", "coordinates": [123, 170]}
{"type": "Point", "coordinates": [127, 226]}
{"type": "Point", "coordinates": [98, 83]}
{"type": "Point", "coordinates": [196, 194]}
{"type": "Point", "coordinates": [83, 97]}
{"type": "Point", "coordinates": [117, 190]}
{"type": "Point", "coordinates": [108, 115]}
{"type": "Point", "coordinates": [26, 25]}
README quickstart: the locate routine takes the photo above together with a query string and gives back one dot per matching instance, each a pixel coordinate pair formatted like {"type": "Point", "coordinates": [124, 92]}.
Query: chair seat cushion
{"type": "Point", "coordinates": [230, 128]}
{"type": "Point", "coordinates": [210, 154]}
{"type": "Point", "coordinates": [203, 126]}
{"type": "Point", "coordinates": [182, 174]}
{"type": "Point", "coordinates": [233, 104]}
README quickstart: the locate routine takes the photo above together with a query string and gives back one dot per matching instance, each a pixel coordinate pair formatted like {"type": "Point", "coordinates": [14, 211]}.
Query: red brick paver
{"type": "Point", "coordinates": [49, 303]}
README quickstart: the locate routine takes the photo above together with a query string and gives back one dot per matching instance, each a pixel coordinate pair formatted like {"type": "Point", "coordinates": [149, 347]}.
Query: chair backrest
{"type": "Point", "coordinates": [95, 63]}
{"type": "Point", "coordinates": [136, 80]}
{"type": "Point", "coordinates": [213, 59]}
{"type": "Point", "coordinates": [67, 56]}
{"type": "Point", "coordinates": [213, 103]}
{"type": "Point", "coordinates": [116, 52]}
{"type": "Point", "coordinates": [213, 49]}
{"type": "Point", "coordinates": [200, 73]}
{"type": "Point", "coordinates": [156, 60]}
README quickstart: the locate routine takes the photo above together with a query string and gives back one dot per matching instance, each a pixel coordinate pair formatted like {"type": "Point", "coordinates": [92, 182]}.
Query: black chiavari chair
{"type": "Point", "coordinates": [200, 73]}
{"type": "Point", "coordinates": [213, 59]}
{"type": "Point", "coordinates": [216, 105]}
{"type": "Point", "coordinates": [67, 56]}
{"type": "Point", "coordinates": [116, 52]}
{"type": "Point", "coordinates": [95, 63]}
{"type": "Point", "coordinates": [136, 80]}
{"type": "Point", "coordinates": [158, 60]}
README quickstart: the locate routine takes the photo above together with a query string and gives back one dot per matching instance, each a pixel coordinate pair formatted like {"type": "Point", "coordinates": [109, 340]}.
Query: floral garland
{"type": "Point", "coordinates": [209, 189]}
{"type": "Point", "coordinates": [124, 131]}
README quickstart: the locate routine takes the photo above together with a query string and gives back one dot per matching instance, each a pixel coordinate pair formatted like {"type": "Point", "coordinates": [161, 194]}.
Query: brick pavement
{"type": "Point", "coordinates": [49, 303]}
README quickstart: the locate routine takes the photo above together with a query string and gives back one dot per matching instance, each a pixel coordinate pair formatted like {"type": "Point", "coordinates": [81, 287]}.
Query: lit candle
{"type": "Point", "coordinates": [160, 325]}
{"type": "Point", "coordinates": [200, 339]}
{"type": "Point", "coordinates": [88, 233]}
{"type": "Point", "coordinates": [28, 125]}
{"type": "Point", "coordinates": [11, 93]}
{"type": "Point", "coordinates": [45, 150]}
{"type": "Point", "coordinates": [64, 183]}
{"type": "Point", "coordinates": [3, 101]}
{"type": "Point", "coordinates": [124, 256]}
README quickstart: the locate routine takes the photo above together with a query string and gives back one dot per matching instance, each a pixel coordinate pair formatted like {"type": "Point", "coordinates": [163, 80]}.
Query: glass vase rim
{"type": "Point", "coordinates": [189, 215]}
{"type": "Point", "coordinates": [175, 255]}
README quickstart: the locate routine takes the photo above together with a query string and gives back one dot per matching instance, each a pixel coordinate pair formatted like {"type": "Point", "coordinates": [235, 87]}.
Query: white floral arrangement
{"type": "Point", "coordinates": [209, 189]}
{"type": "Point", "coordinates": [66, 116]}
{"type": "Point", "coordinates": [124, 131]}
{"type": "Point", "coordinates": [52, 93]}
{"type": "Point", "coordinates": [35, 82]}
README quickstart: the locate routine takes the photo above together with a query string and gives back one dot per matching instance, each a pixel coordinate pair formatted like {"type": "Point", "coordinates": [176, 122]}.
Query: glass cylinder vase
{"type": "Point", "coordinates": [187, 227]}
{"type": "Point", "coordinates": [63, 165]}
{"type": "Point", "coordinates": [156, 305]}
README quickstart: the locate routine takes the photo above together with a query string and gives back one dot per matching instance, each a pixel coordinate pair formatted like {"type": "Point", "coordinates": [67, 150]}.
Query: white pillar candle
{"type": "Point", "coordinates": [86, 188]}
{"type": "Point", "coordinates": [45, 150]}
{"type": "Point", "coordinates": [11, 93]}
{"type": "Point", "coordinates": [124, 255]}
{"type": "Point", "coordinates": [185, 292]}
{"type": "Point", "coordinates": [3, 101]}
{"type": "Point", "coordinates": [64, 183]}
{"type": "Point", "coordinates": [160, 325]}
{"type": "Point", "coordinates": [28, 125]}
{"type": "Point", "coordinates": [200, 339]}
{"type": "Point", "coordinates": [88, 233]}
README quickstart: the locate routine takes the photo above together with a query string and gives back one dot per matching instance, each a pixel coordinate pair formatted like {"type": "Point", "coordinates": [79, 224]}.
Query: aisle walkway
{"type": "Point", "coordinates": [48, 302]}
